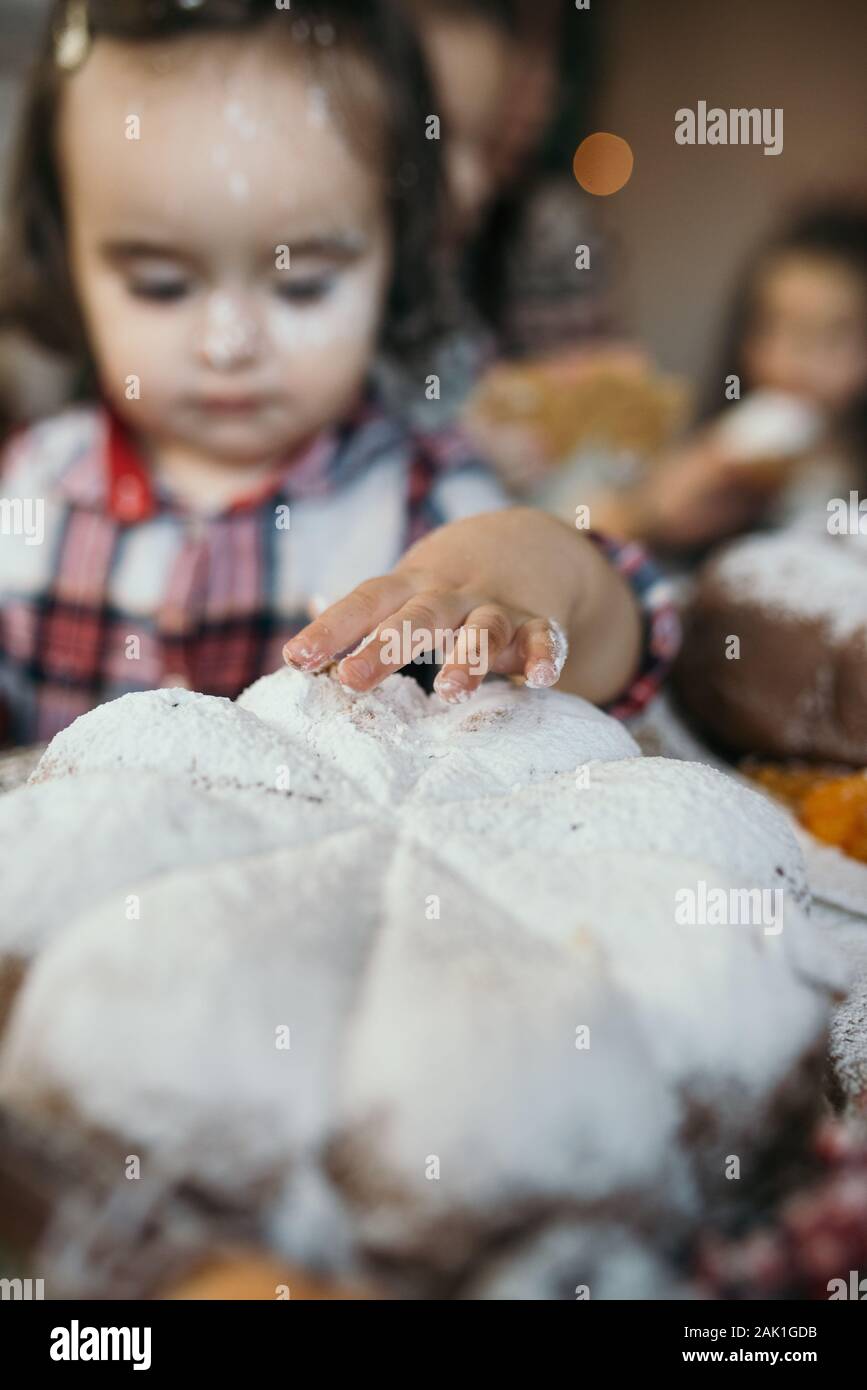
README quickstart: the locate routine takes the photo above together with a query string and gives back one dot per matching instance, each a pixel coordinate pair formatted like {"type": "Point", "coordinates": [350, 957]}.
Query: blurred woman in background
{"type": "Point", "coordinates": [513, 80]}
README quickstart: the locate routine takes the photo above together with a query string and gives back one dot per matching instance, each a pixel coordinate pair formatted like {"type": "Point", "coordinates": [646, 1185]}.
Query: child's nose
{"type": "Point", "coordinates": [230, 332]}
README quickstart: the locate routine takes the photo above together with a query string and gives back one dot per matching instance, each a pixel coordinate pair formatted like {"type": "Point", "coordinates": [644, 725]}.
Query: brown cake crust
{"type": "Point", "coordinates": [799, 686]}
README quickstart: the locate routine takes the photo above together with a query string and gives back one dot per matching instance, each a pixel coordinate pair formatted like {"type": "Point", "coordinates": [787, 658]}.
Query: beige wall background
{"type": "Point", "coordinates": [690, 214]}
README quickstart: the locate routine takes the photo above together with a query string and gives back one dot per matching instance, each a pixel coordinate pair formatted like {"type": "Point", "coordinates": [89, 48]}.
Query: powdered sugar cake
{"type": "Point", "coordinates": [797, 603]}
{"type": "Point", "coordinates": [428, 923]}
{"type": "Point", "coordinates": [209, 741]}
{"type": "Point", "coordinates": [396, 743]}
{"type": "Point", "coordinates": [96, 834]}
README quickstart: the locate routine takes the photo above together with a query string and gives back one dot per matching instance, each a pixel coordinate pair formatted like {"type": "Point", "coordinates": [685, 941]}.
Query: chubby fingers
{"type": "Point", "coordinates": [344, 624]}
{"type": "Point", "coordinates": [538, 653]}
{"type": "Point", "coordinates": [487, 632]}
{"type": "Point", "coordinates": [426, 623]}
{"type": "Point", "coordinates": [383, 626]}
{"type": "Point", "coordinates": [500, 639]}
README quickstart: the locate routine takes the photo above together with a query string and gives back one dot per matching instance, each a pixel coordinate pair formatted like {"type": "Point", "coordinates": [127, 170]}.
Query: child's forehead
{"type": "Point", "coordinates": [811, 283]}
{"type": "Point", "coordinates": [472, 60]}
{"type": "Point", "coordinates": [184, 129]}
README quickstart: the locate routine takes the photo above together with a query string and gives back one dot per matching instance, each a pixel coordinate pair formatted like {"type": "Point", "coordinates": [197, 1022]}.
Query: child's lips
{"type": "Point", "coordinates": [232, 405]}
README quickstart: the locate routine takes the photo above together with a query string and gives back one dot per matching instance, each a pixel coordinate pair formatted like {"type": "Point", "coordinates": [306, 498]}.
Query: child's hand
{"type": "Point", "coordinates": [517, 588]}
{"type": "Point", "coordinates": [702, 494]}
{"type": "Point", "coordinates": [695, 495]}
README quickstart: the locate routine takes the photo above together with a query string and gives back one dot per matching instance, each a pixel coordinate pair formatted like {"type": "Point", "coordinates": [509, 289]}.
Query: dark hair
{"type": "Point", "coordinates": [508, 14]}
{"type": "Point", "coordinates": [37, 294]}
{"type": "Point", "coordinates": [572, 39]}
{"type": "Point", "coordinates": [832, 231]}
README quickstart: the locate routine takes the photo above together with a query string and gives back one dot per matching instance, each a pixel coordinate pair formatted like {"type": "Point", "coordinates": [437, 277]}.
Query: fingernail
{"type": "Point", "coordinates": [454, 688]}
{"type": "Point", "coordinates": [306, 657]}
{"type": "Point", "coordinates": [542, 674]}
{"type": "Point", "coordinates": [354, 670]}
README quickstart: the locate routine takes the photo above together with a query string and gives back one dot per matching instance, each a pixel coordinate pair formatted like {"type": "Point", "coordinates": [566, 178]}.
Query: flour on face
{"type": "Point", "coordinates": [230, 333]}
{"type": "Point", "coordinates": [343, 316]}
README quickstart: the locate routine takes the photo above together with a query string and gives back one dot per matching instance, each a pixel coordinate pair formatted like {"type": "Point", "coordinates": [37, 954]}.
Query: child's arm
{"type": "Point", "coordinates": [694, 495]}
{"type": "Point", "coordinates": [515, 575]}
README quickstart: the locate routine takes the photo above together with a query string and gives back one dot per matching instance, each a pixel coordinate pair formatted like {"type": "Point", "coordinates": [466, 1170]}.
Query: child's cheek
{"type": "Point", "coordinates": [348, 317]}
{"type": "Point", "coordinates": [137, 353]}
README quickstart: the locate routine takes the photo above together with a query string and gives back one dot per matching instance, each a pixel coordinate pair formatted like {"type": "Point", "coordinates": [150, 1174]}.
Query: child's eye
{"type": "Point", "coordinates": [305, 291]}
{"type": "Point", "coordinates": [165, 292]}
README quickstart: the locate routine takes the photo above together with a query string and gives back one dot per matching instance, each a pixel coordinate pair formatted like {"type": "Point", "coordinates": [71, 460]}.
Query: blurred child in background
{"type": "Point", "coordinates": [796, 433]}
{"type": "Point", "coordinates": [513, 81]}
{"type": "Point", "coordinates": [227, 214]}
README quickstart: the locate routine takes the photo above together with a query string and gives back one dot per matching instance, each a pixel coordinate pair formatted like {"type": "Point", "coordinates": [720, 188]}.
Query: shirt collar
{"type": "Point", "coordinates": [130, 492]}
{"type": "Point", "coordinates": [114, 477]}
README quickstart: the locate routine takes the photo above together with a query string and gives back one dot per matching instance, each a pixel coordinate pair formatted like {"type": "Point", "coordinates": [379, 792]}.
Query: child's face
{"type": "Point", "coordinates": [174, 243]}
{"type": "Point", "coordinates": [810, 331]}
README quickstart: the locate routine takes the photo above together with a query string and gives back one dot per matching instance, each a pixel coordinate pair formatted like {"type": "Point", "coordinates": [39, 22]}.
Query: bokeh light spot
{"type": "Point", "coordinates": [603, 163]}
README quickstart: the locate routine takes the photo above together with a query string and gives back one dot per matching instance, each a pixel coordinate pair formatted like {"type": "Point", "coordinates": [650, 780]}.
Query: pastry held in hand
{"type": "Point", "coordinates": [609, 399]}
{"type": "Point", "coordinates": [768, 429]}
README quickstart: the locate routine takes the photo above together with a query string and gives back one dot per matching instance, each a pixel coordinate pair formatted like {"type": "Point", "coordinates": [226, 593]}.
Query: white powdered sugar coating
{"type": "Point", "coordinates": [801, 577]}
{"type": "Point", "coordinates": [558, 651]}
{"type": "Point", "coordinates": [204, 739]}
{"type": "Point", "coordinates": [428, 940]}
{"type": "Point", "coordinates": [675, 1014]}
{"type": "Point", "coordinates": [398, 1025]}
{"type": "Point", "coordinates": [559, 1256]}
{"type": "Point", "coordinates": [561, 645]}
{"type": "Point", "coordinates": [453, 693]}
{"type": "Point", "coordinates": [369, 738]}
{"type": "Point", "coordinates": [99, 836]}
{"type": "Point", "coordinates": [232, 954]}
{"type": "Point", "coordinates": [395, 742]}
{"type": "Point", "coordinates": [365, 642]}
{"type": "Point", "coordinates": [848, 1046]}
{"type": "Point", "coordinates": [229, 331]}
{"type": "Point", "coordinates": [637, 805]}
{"type": "Point", "coordinates": [455, 1023]}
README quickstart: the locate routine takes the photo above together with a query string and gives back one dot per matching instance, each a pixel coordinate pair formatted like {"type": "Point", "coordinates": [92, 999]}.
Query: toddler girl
{"type": "Point", "coordinates": [798, 326]}
{"type": "Point", "coordinates": [227, 210]}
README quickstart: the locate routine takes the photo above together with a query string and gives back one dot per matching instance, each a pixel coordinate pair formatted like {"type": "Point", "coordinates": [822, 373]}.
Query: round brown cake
{"type": "Point", "coordinates": [774, 659]}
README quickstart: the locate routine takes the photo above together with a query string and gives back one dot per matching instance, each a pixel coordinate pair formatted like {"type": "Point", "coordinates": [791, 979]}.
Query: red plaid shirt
{"type": "Point", "coordinates": [123, 588]}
